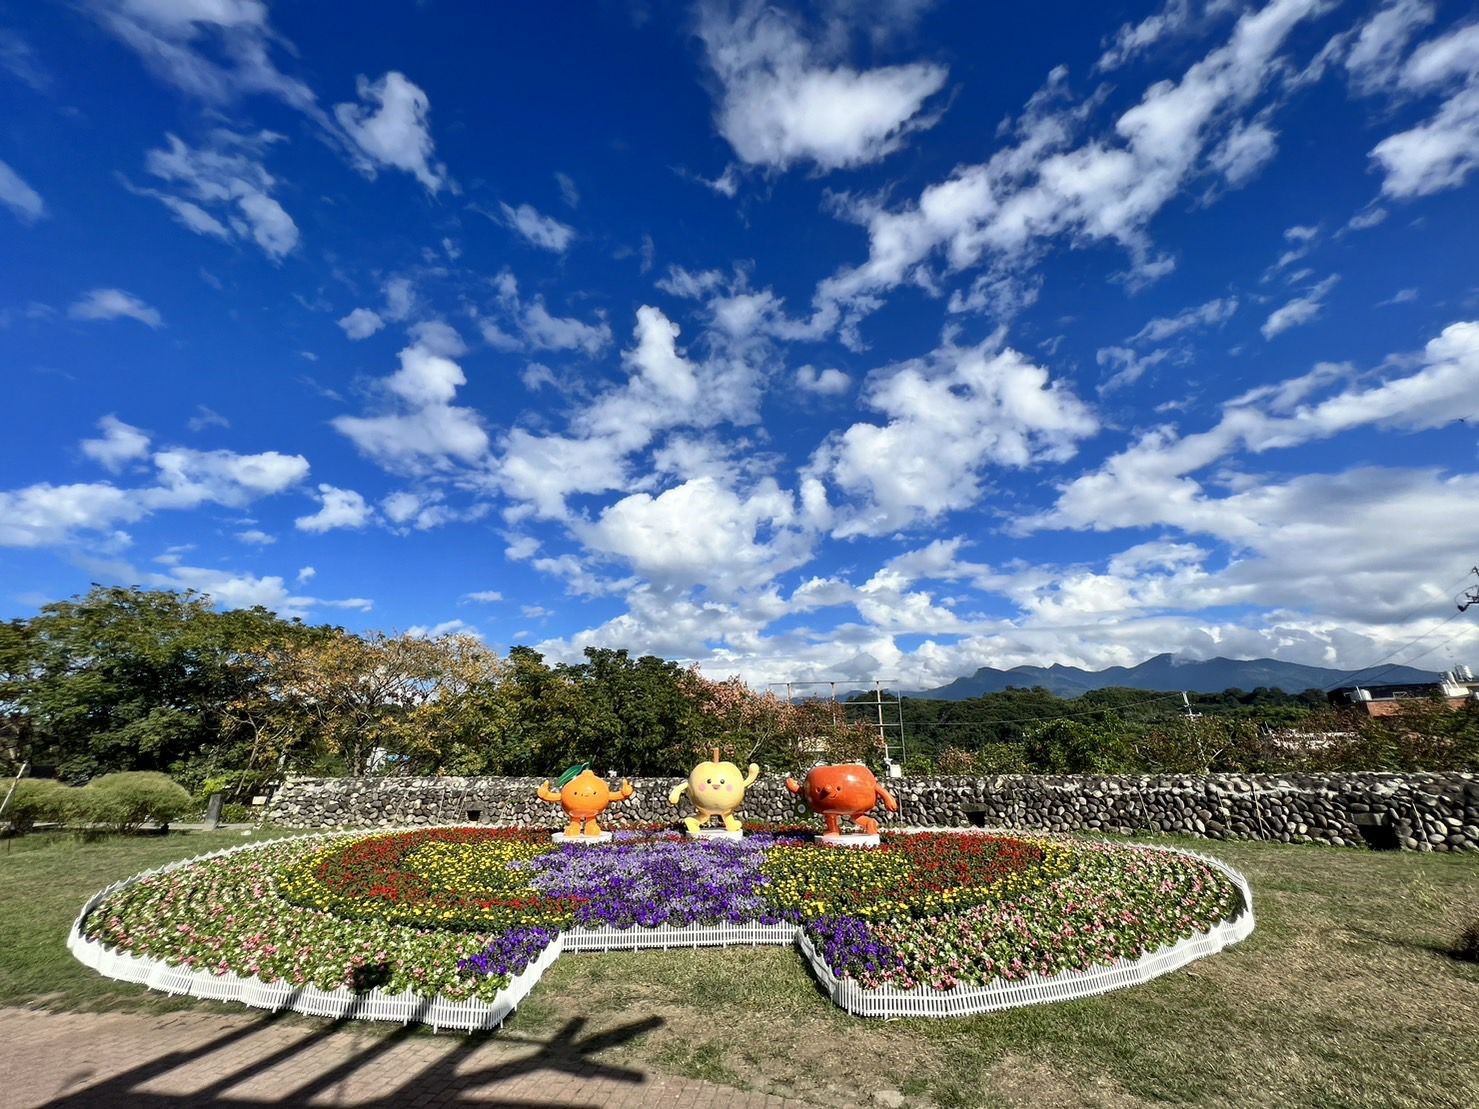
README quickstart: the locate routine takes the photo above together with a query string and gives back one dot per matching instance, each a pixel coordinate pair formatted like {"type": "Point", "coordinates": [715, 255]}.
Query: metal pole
{"type": "Point", "coordinates": [21, 774]}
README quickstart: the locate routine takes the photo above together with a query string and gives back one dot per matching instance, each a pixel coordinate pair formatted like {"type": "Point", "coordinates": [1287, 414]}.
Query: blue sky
{"type": "Point", "coordinates": [875, 339]}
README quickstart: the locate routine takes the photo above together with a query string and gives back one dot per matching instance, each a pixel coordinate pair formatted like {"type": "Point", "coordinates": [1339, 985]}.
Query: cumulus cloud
{"type": "Point", "coordinates": [338, 508]}
{"type": "Point", "coordinates": [422, 427]}
{"type": "Point", "coordinates": [826, 383]}
{"type": "Point", "coordinates": [225, 176]}
{"type": "Point", "coordinates": [361, 323]}
{"type": "Point", "coordinates": [114, 304]}
{"type": "Point", "coordinates": [949, 417]}
{"type": "Point", "coordinates": [701, 532]}
{"type": "Point", "coordinates": [545, 232]}
{"type": "Point", "coordinates": [44, 514]}
{"type": "Point", "coordinates": [785, 100]}
{"type": "Point", "coordinates": [119, 444]}
{"type": "Point", "coordinates": [24, 201]}
{"type": "Point", "coordinates": [390, 127]}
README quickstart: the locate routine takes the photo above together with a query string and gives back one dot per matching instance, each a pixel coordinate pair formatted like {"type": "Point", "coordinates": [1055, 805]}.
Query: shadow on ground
{"type": "Point", "coordinates": [443, 1082]}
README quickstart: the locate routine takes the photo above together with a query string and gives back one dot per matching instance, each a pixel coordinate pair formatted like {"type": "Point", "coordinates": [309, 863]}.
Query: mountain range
{"type": "Point", "coordinates": [1166, 672]}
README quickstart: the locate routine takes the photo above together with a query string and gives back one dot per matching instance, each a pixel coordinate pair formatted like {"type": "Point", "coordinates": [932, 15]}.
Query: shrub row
{"type": "Point", "coordinates": [116, 802]}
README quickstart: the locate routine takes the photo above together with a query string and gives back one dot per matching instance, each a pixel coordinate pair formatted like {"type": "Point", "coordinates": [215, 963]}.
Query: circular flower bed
{"type": "Point", "coordinates": [457, 912]}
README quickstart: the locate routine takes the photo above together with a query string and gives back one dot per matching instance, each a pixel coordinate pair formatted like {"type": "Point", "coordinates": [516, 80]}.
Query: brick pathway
{"type": "Point", "coordinates": [195, 1058]}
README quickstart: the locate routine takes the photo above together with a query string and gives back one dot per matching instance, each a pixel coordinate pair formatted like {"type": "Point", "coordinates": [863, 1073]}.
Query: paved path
{"type": "Point", "coordinates": [200, 1058]}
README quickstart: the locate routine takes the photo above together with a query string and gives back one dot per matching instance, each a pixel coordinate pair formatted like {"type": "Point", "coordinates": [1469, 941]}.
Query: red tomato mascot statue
{"type": "Point", "coordinates": [849, 790]}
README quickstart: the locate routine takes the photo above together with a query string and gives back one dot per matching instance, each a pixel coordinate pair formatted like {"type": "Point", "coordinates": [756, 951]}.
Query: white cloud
{"type": "Point", "coordinates": [568, 192]}
{"type": "Point", "coordinates": [171, 37]}
{"type": "Point", "coordinates": [949, 417]}
{"type": "Point", "coordinates": [701, 533]}
{"type": "Point", "coordinates": [49, 515]}
{"type": "Point", "coordinates": [24, 201]}
{"type": "Point", "coordinates": [256, 537]}
{"type": "Point", "coordinates": [1375, 58]}
{"type": "Point", "coordinates": [537, 328]}
{"type": "Point", "coordinates": [338, 508]}
{"type": "Point", "coordinates": [1131, 365]}
{"type": "Point", "coordinates": [361, 323]}
{"type": "Point", "coordinates": [1441, 152]}
{"type": "Point", "coordinates": [1210, 314]}
{"type": "Point", "coordinates": [423, 428]}
{"type": "Point", "coordinates": [240, 589]}
{"type": "Point", "coordinates": [1149, 482]}
{"type": "Point", "coordinates": [120, 443]}
{"type": "Point", "coordinates": [827, 383]}
{"type": "Point", "coordinates": [446, 627]}
{"type": "Point", "coordinates": [390, 128]}
{"type": "Point", "coordinates": [113, 304]}
{"type": "Point", "coordinates": [544, 232]}
{"type": "Point", "coordinates": [1245, 151]}
{"type": "Point", "coordinates": [1301, 310]}
{"type": "Point", "coordinates": [306, 574]}
{"type": "Point", "coordinates": [784, 102]}
{"type": "Point", "coordinates": [187, 478]}
{"type": "Point", "coordinates": [1401, 296]}
{"type": "Point", "coordinates": [227, 174]}
{"type": "Point", "coordinates": [484, 596]}
{"type": "Point", "coordinates": [206, 418]}
{"type": "Point", "coordinates": [1041, 187]}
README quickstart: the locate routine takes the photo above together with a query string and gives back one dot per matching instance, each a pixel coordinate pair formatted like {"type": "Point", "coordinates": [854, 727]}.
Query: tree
{"type": "Point", "coordinates": [1075, 747]}
{"type": "Point", "coordinates": [126, 679]}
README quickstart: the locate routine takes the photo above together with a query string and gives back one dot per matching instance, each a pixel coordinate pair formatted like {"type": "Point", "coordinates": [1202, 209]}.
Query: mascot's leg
{"type": "Point", "coordinates": [732, 822]}
{"type": "Point", "coordinates": [833, 827]}
{"type": "Point", "coordinates": [573, 828]}
{"type": "Point", "coordinates": [592, 828]}
{"type": "Point", "coordinates": [692, 824]}
{"type": "Point", "coordinates": [867, 823]}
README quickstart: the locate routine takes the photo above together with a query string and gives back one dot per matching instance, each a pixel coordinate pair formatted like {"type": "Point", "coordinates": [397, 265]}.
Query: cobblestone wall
{"type": "Point", "coordinates": [1425, 812]}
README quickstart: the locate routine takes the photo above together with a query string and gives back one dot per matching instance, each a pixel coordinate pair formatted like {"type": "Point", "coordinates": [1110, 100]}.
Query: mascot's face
{"type": "Point", "coordinates": [584, 796]}
{"type": "Point", "coordinates": [717, 786]}
{"type": "Point", "coordinates": [843, 790]}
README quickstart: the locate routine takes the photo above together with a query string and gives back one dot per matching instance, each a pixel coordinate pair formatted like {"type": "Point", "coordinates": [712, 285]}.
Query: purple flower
{"type": "Point", "coordinates": [509, 954]}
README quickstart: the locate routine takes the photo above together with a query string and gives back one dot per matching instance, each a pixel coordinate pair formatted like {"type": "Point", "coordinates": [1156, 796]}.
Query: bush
{"type": "Point", "coordinates": [1468, 943]}
{"type": "Point", "coordinates": [35, 801]}
{"type": "Point", "coordinates": [124, 802]}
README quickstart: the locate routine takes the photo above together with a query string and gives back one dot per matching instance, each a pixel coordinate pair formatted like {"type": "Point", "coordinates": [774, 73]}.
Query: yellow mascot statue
{"type": "Point", "coordinates": [716, 789]}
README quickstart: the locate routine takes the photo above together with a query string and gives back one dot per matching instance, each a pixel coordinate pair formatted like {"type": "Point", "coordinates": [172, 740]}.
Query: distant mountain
{"type": "Point", "coordinates": [1166, 672]}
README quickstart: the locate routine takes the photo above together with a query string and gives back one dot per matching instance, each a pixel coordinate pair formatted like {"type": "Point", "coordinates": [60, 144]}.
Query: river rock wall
{"type": "Point", "coordinates": [1422, 812]}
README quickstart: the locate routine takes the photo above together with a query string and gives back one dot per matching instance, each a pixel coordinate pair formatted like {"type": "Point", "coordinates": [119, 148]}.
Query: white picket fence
{"type": "Point", "coordinates": [477, 1015]}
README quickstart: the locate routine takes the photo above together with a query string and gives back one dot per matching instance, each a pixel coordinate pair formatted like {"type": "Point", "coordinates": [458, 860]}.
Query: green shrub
{"type": "Point", "coordinates": [123, 802]}
{"type": "Point", "coordinates": [234, 813]}
{"type": "Point", "coordinates": [35, 801]}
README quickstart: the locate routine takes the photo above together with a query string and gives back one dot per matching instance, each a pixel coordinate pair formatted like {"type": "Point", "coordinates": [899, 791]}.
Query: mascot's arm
{"type": "Point", "coordinates": [678, 791]}
{"type": "Point", "coordinates": [793, 785]}
{"type": "Point", "coordinates": [620, 794]}
{"type": "Point", "coordinates": [547, 794]}
{"type": "Point", "coordinates": [888, 799]}
{"type": "Point", "coordinates": [754, 773]}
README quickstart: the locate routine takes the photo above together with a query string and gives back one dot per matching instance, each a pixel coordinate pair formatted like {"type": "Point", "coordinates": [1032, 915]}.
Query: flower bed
{"type": "Point", "coordinates": [457, 914]}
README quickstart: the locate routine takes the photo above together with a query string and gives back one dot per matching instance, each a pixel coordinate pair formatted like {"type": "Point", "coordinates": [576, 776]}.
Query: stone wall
{"type": "Point", "coordinates": [1426, 812]}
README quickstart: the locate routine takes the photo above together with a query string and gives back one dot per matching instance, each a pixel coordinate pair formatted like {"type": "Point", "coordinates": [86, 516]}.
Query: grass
{"type": "Point", "coordinates": [1347, 994]}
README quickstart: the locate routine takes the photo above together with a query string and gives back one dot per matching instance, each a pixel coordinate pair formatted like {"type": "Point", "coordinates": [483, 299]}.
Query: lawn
{"type": "Point", "coordinates": [1345, 995]}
